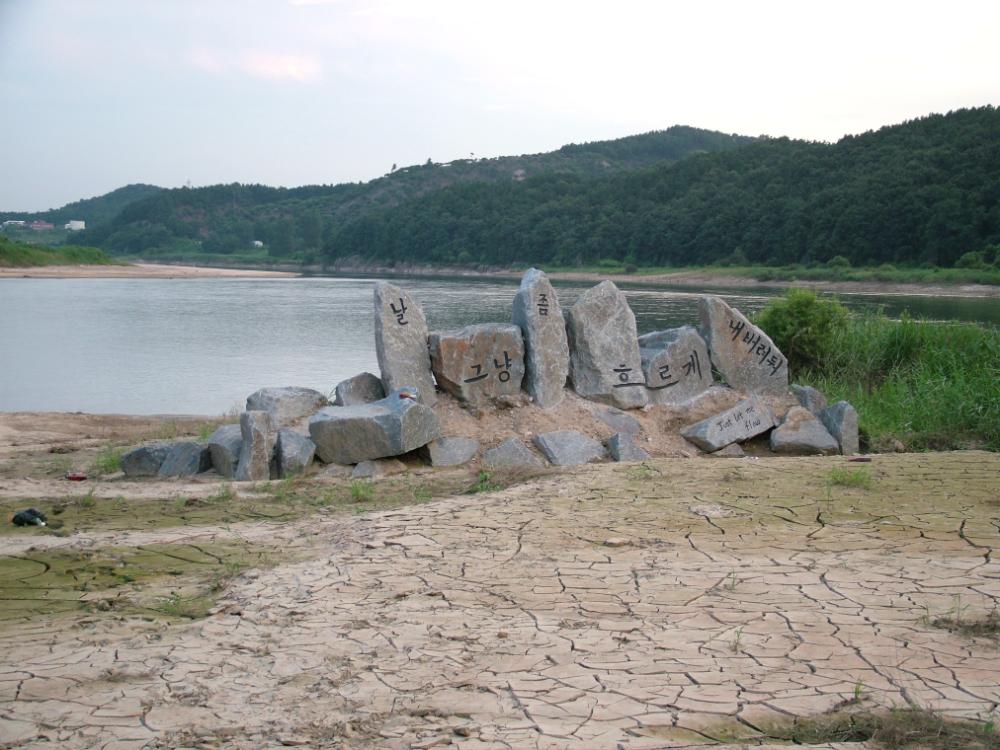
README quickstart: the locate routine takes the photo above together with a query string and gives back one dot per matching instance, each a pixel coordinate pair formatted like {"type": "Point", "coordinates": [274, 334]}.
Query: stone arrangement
{"type": "Point", "coordinates": [591, 347]}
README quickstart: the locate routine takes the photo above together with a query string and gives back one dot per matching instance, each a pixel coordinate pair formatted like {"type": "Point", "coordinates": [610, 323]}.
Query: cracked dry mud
{"type": "Point", "coordinates": [674, 603]}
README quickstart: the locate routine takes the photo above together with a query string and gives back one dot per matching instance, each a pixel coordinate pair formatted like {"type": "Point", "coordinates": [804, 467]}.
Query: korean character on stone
{"type": "Point", "coordinates": [504, 368]}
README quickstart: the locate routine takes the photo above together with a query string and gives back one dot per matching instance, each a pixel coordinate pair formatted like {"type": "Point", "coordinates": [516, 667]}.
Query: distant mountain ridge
{"type": "Point", "coordinates": [97, 210]}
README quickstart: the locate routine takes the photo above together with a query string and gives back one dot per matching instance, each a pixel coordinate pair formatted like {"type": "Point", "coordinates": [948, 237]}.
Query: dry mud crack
{"type": "Point", "coordinates": [675, 603]}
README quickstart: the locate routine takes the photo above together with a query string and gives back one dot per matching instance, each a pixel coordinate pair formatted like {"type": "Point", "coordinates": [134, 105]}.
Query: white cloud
{"type": "Point", "coordinates": [270, 66]}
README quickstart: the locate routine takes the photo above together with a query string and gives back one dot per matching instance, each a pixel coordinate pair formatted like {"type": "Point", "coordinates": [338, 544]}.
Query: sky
{"type": "Point", "coordinates": [96, 94]}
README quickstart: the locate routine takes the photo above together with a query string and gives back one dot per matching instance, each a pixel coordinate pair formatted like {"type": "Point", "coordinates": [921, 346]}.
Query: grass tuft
{"type": "Point", "coordinates": [841, 477]}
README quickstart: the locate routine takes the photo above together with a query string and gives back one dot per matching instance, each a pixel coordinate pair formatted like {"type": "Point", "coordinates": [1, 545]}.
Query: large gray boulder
{"type": "Point", "coordinates": [224, 448]}
{"type": "Point", "coordinates": [622, 447]}
{"type": "Point", "coordinates": [748, 418]}
{"type": "Point", "coordinates": [802, 434]}
{"type": "Point", "coordinates": [675, 364]}
{"type": "Point", "coordinates": [185, 460]}
{"type": "Point", "coordinates": [146, 460]}
{"type": "Point", "coordinates": [395, 425]}
{"type": "Point", "coordinates": [259, 436]}
{"type": "Point", "coordinates": [569, 448]}
{"type": "Point", "coordinates": [748, 360]}
{"type": "Point", "coordinates": [604, 348]}
{"type": "Point", "coordinates": [293, 453]}
{"type": "Point", "coordinates": [450, 451]}
{"type": "Point", "coordinates": [841, 421]}
{"type": "Point", "coordinates": [479, 364]}
{"type": "Point", "coordinates": [401, 342]}
{"type": "Point", "coordinates": [546, 348]}
{"type": "Point", "coordinates": [512, 454]}
{"type": "Point", "coordinates": [360, 389]}
{"type": "Point", "coordinates": [809, 398]}
{"type": "Point", "coordinates": [287, 405]}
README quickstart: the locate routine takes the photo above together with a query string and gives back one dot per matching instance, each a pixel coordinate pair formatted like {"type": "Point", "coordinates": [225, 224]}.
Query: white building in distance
{"type": "Point", "coordinates": [75, 225]}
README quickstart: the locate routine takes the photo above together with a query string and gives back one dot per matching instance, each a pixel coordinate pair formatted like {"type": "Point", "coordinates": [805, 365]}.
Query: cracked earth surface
{"type": "Point", "coordinates": [675, 603]}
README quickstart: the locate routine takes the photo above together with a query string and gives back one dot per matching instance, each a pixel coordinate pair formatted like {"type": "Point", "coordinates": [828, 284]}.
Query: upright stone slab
{"type": "Point", "coordinates": [622, 447]}
{"type": "Point", "coordinates": [802, 434]}
{"type": "Point", "coordinates": [393, 426]}
{"type": "Point", "coordinates": [841, 420]}
{"type": "Point", "coordinates": [259, 437]}
{"type": "Point", "coordinates": [479, 364]}
{"type": "Point", "coordinates": [809, 397]}
{"type": "Point", "coordinates": [748, 418]}
{"type": "Point", "coordinates": [604, 349]}
{"type": "Point", "coordinates": [746, 357]}
{"type": "Point", "coordinates": [287, 405]}
{"type": "Point", "coordinates": [224, 448]}
{"type": "Point", "coordinates": [675, 364]}
{"type": "Point", "coordinates": [546, 348]}
{"type": "Point", "coordinates": [360, 389]}
{"type": "Point", "coordinates": [294, 452]}
{"type": "Point", "coordinates": [401, 342]}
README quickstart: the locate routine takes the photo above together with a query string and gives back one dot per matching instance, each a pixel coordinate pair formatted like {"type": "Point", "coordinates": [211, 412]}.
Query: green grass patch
{"type": "Point", "coordinates": [841, 477]}
{"type": "Point", "coordinates": [15, 254]}
{"type": "Point", "coordinates": [108, 461]}
{"type": "Point", "coordinates": [484, 483]}
{"type": "Point", "coordinates": [362, 491]}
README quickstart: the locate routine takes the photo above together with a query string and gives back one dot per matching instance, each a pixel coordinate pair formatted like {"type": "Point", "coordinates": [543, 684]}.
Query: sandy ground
{"type": "Point", "coordinates": [134, 271]}
{"type": "Point", "coordinates": [679, 602]}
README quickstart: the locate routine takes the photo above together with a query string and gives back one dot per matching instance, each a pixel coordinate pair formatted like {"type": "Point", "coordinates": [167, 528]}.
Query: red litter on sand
{"type": "Point", "coordinates": [76, 476]}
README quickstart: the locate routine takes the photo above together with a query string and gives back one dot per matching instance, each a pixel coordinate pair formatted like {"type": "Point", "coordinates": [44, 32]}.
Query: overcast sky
{"type": "Point", "coordinates": [96, 94]}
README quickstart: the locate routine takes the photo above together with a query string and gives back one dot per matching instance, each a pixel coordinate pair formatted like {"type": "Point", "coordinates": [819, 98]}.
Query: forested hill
{"type": "Point", "coordinates": [228, 218]}
{"type": "Point", "coordinates": [98, 210]}
{"type": "Point", "coordinates": [925, 191]}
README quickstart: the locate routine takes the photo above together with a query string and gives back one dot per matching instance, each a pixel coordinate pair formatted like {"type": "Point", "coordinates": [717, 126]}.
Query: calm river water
{"type": "Point", "coordinates": [200, 346]}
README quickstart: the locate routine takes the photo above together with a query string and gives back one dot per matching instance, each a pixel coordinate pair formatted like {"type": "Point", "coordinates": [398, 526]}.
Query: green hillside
{"type": "Point", "coordinates": [923, 192]}
{"type": "Point", "coordinates": [226, 219]}
{"type": "Point", "coordinates": [19, 255]}
{"type": "Point", "coordinates": [98, 210]}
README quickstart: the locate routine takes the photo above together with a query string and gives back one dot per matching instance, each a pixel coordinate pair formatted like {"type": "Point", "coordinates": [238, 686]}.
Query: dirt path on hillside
{"type": "Point", "coordinates": [675, 603]}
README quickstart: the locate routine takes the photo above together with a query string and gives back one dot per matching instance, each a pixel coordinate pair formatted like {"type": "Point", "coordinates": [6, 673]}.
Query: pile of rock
{"type": "Point", "coordinates": [592, 347]}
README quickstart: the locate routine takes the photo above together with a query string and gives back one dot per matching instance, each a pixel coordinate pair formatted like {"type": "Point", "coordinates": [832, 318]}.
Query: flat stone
{"type": "Point", "coordinates": [733, 450]}
{"type": "Point", "coordinates": [450, 451]}
{"type": "Point", "coordinates": [338, 471]}
{"type": "Point", "coordinates": [392, 426]}
{"type": "Point", "coordinates": [185, 460]}
{"type": "Point", "coordinates": [617, 419]}
{"type": "Point", "coordinates": [287, 405]}
{"type": "Point", "coordinates": [511, 453]}
{"type": "Point", "coordinates": [378, 468]}
{"type": "Point", "coordinates": [604, 348]}
{"type": "Point", "coordinates": [479, 364]}
{"type": "Point", "coordinates": [146, 460]}
{"type": "Point", "coordinates": [802, 434]}
{"type": "Point", "coordinates": [546, 347]}
{"type": "Point", "coordinates": [569, 448]}
{"type": "Point", "coordinates": [257, 450]}
{"type": "Point", "coordinates": [360, 389]}
{"type": "Point", "coordinates": [294, 452]}
{"type": "Point", "coordinates": [748, 418]}
{"type": "Point", "coordinates": [675, 364]}
{"type": "Point", "coordinates": [745, 355]}
{"type": "Point", "coordinates": [224, 449]}
{"type": "Point", "coordinates": [622, 447]}
{"type": "Point", "coordinates": [401, 343]}
{"type": "Point", "coordinates": [841, 421]}
{"type": "Point", "coordinates": [809, 397]}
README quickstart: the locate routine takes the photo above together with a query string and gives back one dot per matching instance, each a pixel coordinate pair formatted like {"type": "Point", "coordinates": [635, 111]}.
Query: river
{"type": "Point", "coordinates": [200, 346]}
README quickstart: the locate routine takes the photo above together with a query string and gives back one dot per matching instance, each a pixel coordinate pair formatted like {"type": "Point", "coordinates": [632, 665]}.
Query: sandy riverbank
{"type": "Point", "coordinates": [135, 271]}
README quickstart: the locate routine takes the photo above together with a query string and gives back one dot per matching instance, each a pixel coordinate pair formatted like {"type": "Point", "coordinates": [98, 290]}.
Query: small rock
{"type": "Point", "coordinates": [604, 348]}
{"type": "Point", "coordinates": [540, 318]}
{"type": "Point", "coordinates": [378, 468]}
{"type": "Point", "coordinates": [733, 450]}
{"type": "Point", "coordinates": [257, 449]}
{"type": "Point", "coordinates": [841, 420]}
{"type": "Point", "coordinates": [622, 447]}
{"type": "Point", "coordinates": [617, 541]}
{"type": "Point", "coordinates": [450, 451]}
{"type": "Point", "coordinates": [617, 419]}
{"type": "Point", "coordinates": [146, 460]}
{"type": "Point", "coordinates": [802, 434]}
{"type": "Point", "coordinates": [809, 398]}
{"type": "Point", "coordinates": [675, 364]}
{"type": "Point", "coordinates": [294, 452]}
{"type": "Point", "coordinates": [569, 448]}
{"type": "Point", "coordinates": [480, 363]}
{"type": "Point", "coordinates": [511, 453]}
{"type": "Point", "coordinates": [746, 357]}
{"type": "Point", "coordinates": [339, 471]}
{"type": "Point", "coordinates": [401, 342]}
{"type": "Point", "coordinates": [748, 418]}
{"type": "Point", "coordinates": [361, 389]}
{"type": "Point", "coordinates": [287, 405]}
{"type": "Point", "coordinates": [186, 460]}
{"type": "Point", "coordinates": [224, 448]}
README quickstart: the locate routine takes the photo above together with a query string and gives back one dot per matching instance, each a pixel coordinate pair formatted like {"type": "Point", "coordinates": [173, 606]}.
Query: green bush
{"type": "Point", "coordinates": [971, 260]}
{"type": "Point", "coordinates": [803, 326]}
{"type": "Point", "coordinates": [838, 261]}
